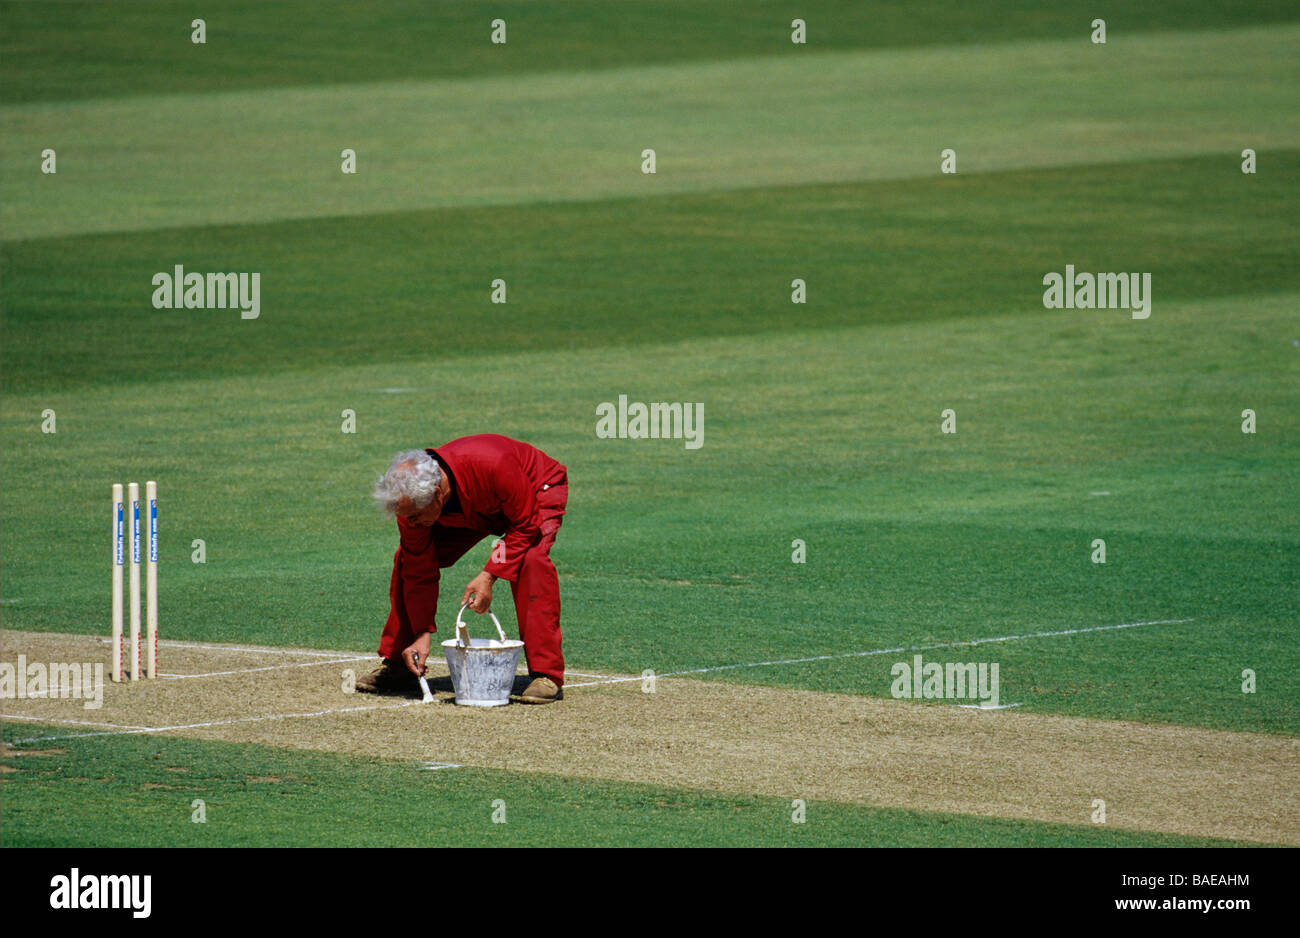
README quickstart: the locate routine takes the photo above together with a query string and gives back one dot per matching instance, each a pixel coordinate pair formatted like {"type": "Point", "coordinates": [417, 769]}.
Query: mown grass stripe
{"type": "Point", "coordinates": [218, 159]}
{"type": "Point", "coordinates": [344, 292]}
{"type": "Point", "coordinates": [143, 47]}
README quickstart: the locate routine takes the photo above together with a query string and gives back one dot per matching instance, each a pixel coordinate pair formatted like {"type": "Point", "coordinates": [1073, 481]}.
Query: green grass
{"type": "Point", "coordinates": [140, 791]}
{"type": "Point", "coordinates": [156, 162]}
{"type": "Point", "coordinates": [588, 276]}
{"type": "Point", "coordinates": [71, 50]}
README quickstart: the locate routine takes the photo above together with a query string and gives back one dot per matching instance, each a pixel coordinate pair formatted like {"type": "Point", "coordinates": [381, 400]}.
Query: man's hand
{"type": "Point", "coordinates": [421, 647]}
{"type": "Point", "coordinates": [478, 595]}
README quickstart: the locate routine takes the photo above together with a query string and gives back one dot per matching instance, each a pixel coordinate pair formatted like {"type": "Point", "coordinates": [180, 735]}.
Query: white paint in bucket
{"type": "Point", "coordinates": [482, 669]}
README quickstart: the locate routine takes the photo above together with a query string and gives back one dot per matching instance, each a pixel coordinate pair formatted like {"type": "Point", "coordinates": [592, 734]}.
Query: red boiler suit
{"type": "Point", "coordinates": [499, 486]}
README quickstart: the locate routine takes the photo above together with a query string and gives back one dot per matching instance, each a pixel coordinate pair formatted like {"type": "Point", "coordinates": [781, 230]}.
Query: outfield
{"type": "Point", "coordinates": [822, 420]}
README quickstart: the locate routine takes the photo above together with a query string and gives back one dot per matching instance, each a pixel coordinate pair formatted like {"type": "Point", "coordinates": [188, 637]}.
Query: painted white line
{"type": "Point", "coordinates": [135, 730]}
{"type": "Point", "coordinates": [884, 651]}
{"type": "Point", "coordinates": [986, 707]}
{"type": "Point", "coordinates": [330, 656]}
{"type": "Point", "coordinates": [249, 649]}
{"type": "Point", "coordinates": [435, 766]}
{"type": "Point", "coordinates": [268, 667]}
{"type": "Point", "coordinates": [42, 694]}
{"type": "Point", "coordinates": [262, 650]}
{"type": "Point", "coordinates": [280, 716]}
{"type": "Point", "coordinates": [30, 719]}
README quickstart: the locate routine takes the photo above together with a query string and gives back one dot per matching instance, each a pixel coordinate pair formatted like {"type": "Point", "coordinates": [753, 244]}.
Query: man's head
{"type": "Point", "coordinates": [412, 488]}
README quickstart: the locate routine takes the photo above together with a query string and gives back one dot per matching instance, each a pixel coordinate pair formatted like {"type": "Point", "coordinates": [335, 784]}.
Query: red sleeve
{"type": "Point", "coordinates": [419, 562]}
{"type": "Point", "coordinates": [519, 505]}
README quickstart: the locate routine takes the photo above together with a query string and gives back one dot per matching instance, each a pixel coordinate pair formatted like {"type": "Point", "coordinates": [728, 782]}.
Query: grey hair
{"type": "Point", "coordinates": [413, 475]}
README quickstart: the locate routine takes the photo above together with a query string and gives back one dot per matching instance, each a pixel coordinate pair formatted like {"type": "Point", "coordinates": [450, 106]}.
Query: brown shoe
{"type": "Point", "coordinates": [391, 677]}
{"type": "Point", "coordinates": [542, 691]}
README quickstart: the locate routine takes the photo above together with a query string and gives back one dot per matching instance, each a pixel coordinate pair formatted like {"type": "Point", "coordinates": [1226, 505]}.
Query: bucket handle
{"type": "Point", "coordinates": [462, 630]}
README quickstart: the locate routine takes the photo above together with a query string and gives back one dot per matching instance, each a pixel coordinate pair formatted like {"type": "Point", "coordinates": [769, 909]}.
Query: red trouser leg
{"type": "Point", "coordinates": [451, 544]}
{"type": "Point", "coordinates": [537, 592]}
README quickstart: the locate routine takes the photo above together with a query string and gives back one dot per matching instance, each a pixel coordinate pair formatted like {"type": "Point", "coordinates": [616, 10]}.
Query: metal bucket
{"type": "Point", "coordinates": [482, 669]}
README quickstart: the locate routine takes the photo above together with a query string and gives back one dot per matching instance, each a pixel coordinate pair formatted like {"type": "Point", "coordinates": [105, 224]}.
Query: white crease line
{"type": "Point", "coordinates": [135, 730]}
{"type": "Point", "coordinates": [883, 651]}
{"type": "Point", "coordinates": [985, 707]}
{"type": "Point", "coordinates": [435, 766]}
{"type": "Point", "coordinates": [256, 648]}
{"type": "Point", "coordinates": [331, 655]}
{"type": "Point", "coordinates": [280, 716]}
{"type": "Point", "coordinates": [41, 695]}
{"type": "Point", "coordinates": [30, 719]}
{"type": "Point", "coordinates": [269, 667]}
{"type": "Point", "coordinates": [248, 649]}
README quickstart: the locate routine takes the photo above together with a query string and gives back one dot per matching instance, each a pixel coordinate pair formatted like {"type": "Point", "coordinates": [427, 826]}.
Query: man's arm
{"type": "Point", "coordinates": [420, 575]}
